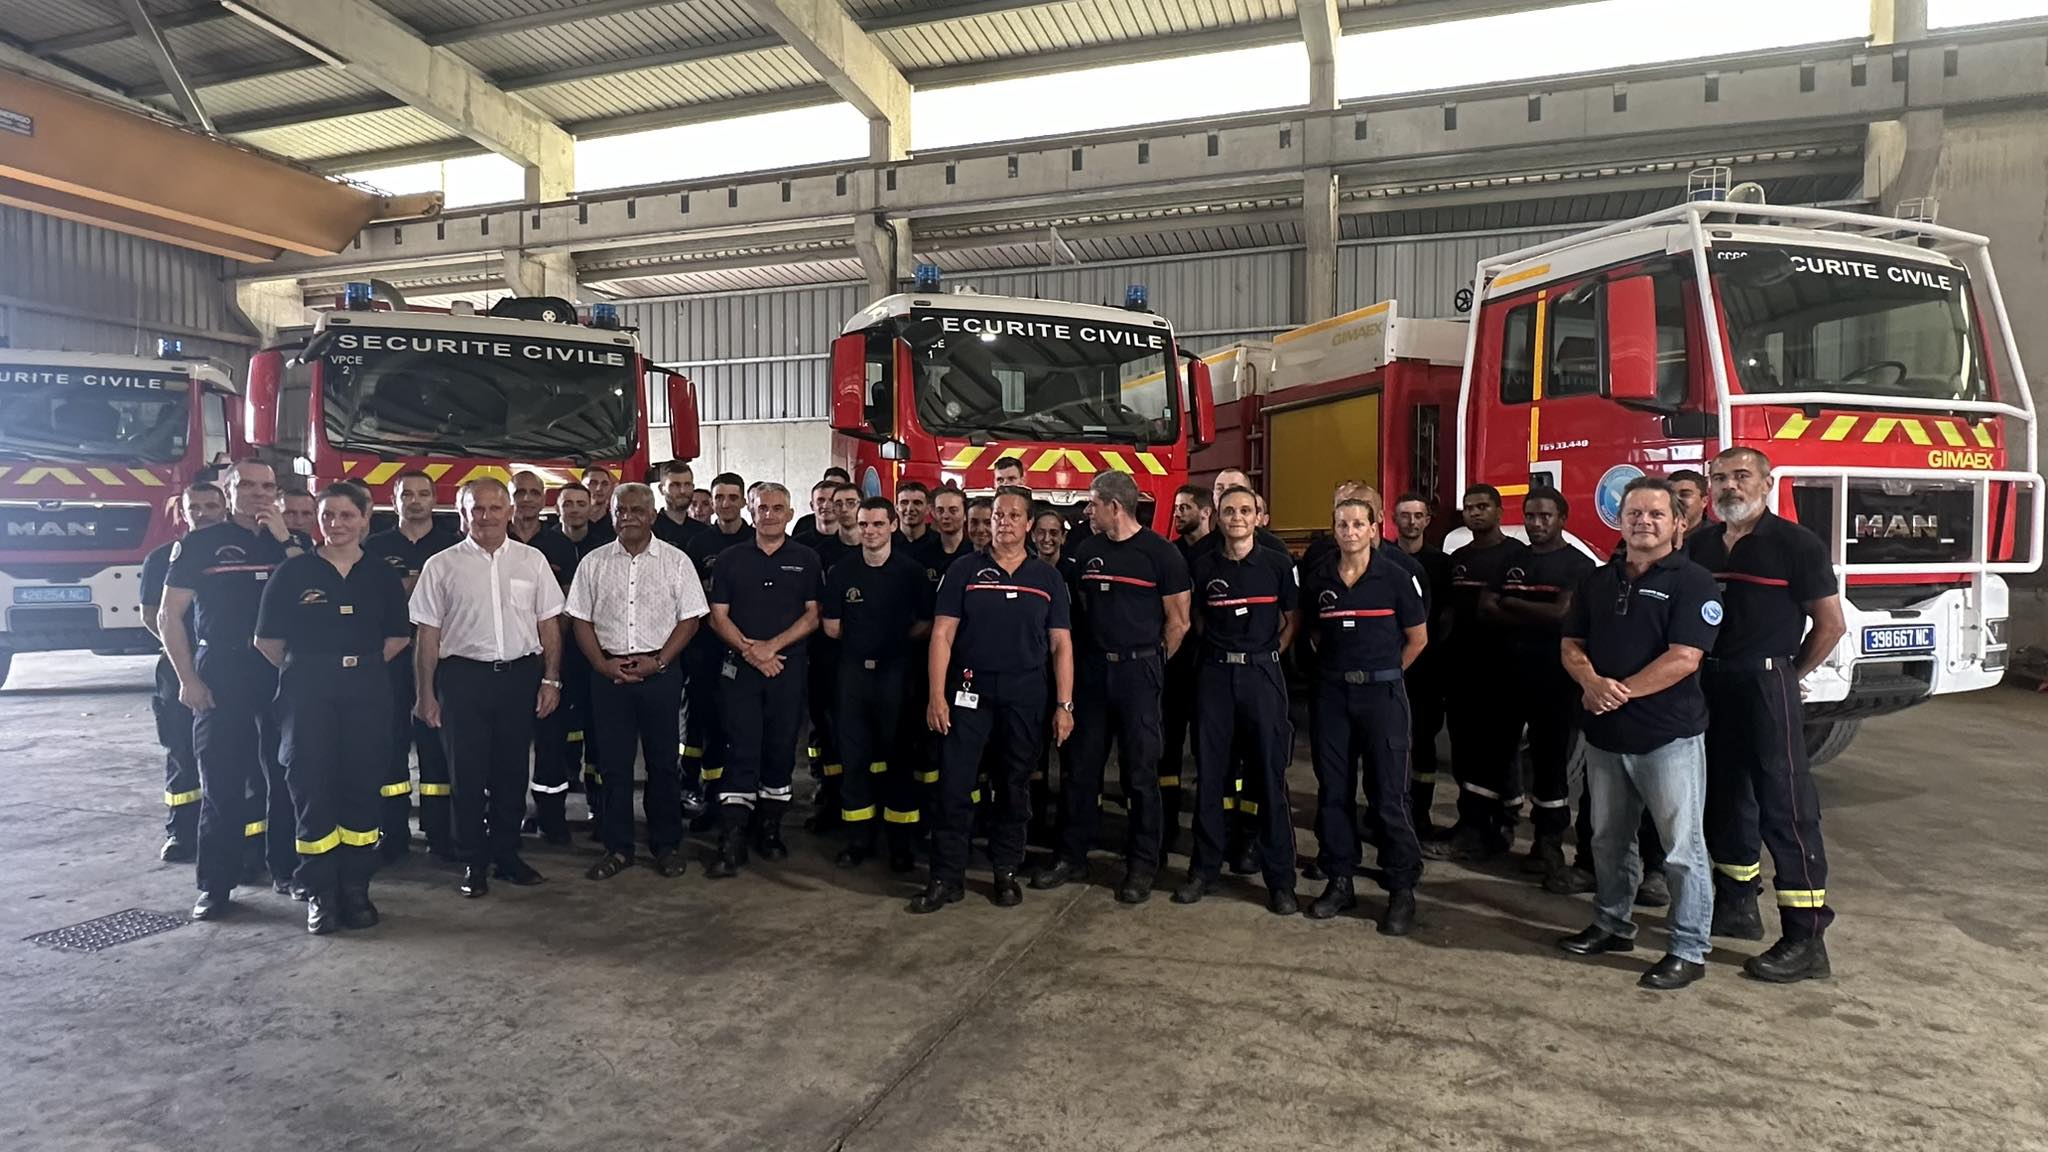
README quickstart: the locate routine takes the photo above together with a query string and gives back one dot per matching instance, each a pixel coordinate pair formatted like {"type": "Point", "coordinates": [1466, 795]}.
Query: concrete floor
{"type": "Point", "coordinates": [800, 1008]}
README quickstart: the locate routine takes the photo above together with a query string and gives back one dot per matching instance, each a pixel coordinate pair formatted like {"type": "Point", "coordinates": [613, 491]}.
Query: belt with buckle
{"type": "Point", "coordinates": [1123, 655]}
{"type": "Point", "coordinates": [1244, 657]}
{"type": "Point", "coordinates": [1378, 676]}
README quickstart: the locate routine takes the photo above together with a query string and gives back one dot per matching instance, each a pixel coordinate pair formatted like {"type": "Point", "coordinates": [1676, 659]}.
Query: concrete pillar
{"type": "Point", "coordinates": [885, 256]}
{"type": "Point", "coordinates": [541, 274]}
{"type": "Point", "coordinates": [1901, 157]}
{"type": "Point", "coordinates": [1898, 21]}
{"type": "Point", "coordinates": [270, 306]}
{"type": "Point", "coordinates": [1319, 236]}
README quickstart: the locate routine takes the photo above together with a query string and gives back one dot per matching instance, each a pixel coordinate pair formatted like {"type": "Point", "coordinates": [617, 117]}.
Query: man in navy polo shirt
{"type": "Point", "coordinates": [1634, 637]}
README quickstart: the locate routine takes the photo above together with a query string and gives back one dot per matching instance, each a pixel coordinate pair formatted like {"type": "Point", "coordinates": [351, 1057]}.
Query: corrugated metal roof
{"type": "Point", "coordinates": [351, 135]}
{"type": "Point", "coordinates": [736, 279]}
{"type": "Point", "coordinates": [1055, 27]}
{"type": "Point", "coordinates": [213, 48]}
{"type": "Point", "coordinates": [430, 16]}
{"type": "Point", "coordinates": [314, 87]}
{"type": "Point", "coordinates": [724, 77]}
{"type": "Point", "coordinates": [623, 36]}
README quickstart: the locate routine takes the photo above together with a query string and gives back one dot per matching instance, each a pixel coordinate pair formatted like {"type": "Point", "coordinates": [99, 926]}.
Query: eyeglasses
{"type": "Point", "coordinates": [1621, 600]}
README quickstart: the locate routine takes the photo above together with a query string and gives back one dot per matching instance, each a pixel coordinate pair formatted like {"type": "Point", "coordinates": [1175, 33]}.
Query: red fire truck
{"type": "Point", "coordinates": [94, 450]}
{"type": "Point", "coordinates": [938, 387]}
{"type": "Point", "coordinates": [376, 388]}
{"type": "Point", "coordinates": [1870, 358]}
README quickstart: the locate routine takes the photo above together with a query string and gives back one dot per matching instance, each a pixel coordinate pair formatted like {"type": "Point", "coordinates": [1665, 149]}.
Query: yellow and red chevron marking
{"type": "Point", "coordinates": [1869, 428]}
{"type": "Point", "coordinates": [78, 476]}
{"type": "Point", "coordinates": [977, 460]}
{"type": "Point", "coordinates": [382, 472]}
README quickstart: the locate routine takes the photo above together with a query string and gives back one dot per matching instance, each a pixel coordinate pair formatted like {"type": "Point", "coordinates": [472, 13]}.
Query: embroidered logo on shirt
{"type": "Point", "coordinates": [312, 596]}
{"type": "Point", "coordinates": [1711, 612]}
{"type": "Point", "coordinates": [1219, 587]}
{"type": "Point", "coordinates": [853, 596]}
{"type": "Point", "coordinates": [1327, 600]}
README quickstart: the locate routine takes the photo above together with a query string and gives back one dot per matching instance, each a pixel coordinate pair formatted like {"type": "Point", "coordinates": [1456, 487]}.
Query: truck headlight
{"type": "Point", "coordinates": [1994, 632]}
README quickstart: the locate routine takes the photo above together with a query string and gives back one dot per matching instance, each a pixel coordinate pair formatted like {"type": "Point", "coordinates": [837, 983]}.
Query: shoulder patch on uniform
{"type": "Point", "coordinates": [177, 549]}
{"type": "Point", "coordinates": [1711, 612]}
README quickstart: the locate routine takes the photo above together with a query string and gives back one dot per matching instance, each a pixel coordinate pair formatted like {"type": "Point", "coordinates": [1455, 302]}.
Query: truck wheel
{"type": "Point", "coordinates": [1826, 739]}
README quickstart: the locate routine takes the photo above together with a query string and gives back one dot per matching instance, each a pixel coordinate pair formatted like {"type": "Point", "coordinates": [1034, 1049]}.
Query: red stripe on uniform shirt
{"type": "Point", "coordinates": [1008, 588]}
{"type": "Point", "coordinates": [1338, 613]}
{"type": "Point", "coordinates": [1244, 600]}
{"type": "Point", "coordinates": [239, 568]}
{"type": "Point", "coordinates": [1119, 579]}
{"type": "Point", "coordinates": [1746, 578]}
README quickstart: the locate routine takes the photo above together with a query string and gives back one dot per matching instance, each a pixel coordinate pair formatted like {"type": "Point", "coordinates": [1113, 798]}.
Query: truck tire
{"type": "Point", "coordinates": [1827, 739]}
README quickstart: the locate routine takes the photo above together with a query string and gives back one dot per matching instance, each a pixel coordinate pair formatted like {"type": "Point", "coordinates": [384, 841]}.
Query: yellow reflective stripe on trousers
{"type": "Point", "coordinates": [857, 815]}
{"type": "Point", "coordinates": [714, 773]}
{"type": "Point", "coordinates": [180, 799]}
{"type": "Point", "coordinates": [355, 839]}
{"type": "Point", "coordinates": [256, 828]}
{"type": "Point", "coordinates": [575, 737]}
{"type": "Point", "coordinates": [835, 769]}
{"type": "Point", "coordinates": [878, 767]}
{"type": "Point", "coordinates": [427, 789]}
{"type": "Point", "coordinates": [895, 817]}
{"type": "Point", "coordinates": [1169, 781]}
{"type": "Point", "coordinates": [403, 788]}
{"type": "Point", "coordinates": [323, 844]}
{"type": "Point", "coordinates": [1248, 807]}
{"type": "Point", "coordinates": [1802, 897]}
{"type": "Point", "coordinates": [692, 751]}
{"type": "Point", "coordinates": [927, 777]}
{"type": "Point", "coordinates": [1740, 871]}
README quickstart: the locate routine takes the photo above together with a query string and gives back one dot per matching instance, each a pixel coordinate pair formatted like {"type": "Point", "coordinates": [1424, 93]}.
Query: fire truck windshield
{"type": "Point", "coordinates": [1810, 320]}
{"type": "Point", "coordinates": [1041, 377]}
{"type": "Point", "coordinates": [64, 412]}
{"type": "Point", "coordinates": [416, 393]}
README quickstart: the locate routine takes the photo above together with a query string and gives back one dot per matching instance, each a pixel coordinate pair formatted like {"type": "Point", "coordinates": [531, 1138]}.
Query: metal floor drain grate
{"type": "Point", "coordinates": [107, 931]}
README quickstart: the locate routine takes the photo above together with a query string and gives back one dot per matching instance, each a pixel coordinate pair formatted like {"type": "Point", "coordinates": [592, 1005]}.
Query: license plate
{"type": "Point", "coordinates": [74, 595]}
{"type": "Point", "coordinates": [1898, 640]}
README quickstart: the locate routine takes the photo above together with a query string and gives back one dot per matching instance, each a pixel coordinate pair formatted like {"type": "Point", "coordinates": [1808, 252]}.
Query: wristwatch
{"type": "Point", "coordinates": [555, 684]}
{"type": "Point", "coordinates": [1064, 705]}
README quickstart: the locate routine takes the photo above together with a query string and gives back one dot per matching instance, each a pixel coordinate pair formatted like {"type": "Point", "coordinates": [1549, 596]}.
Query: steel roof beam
{"type": "Point", "coordinates": [379, 49]}
{"type": "Point", "coordinates": [863, 75]}
{"type": "Point", "coordinates": [174, 79]}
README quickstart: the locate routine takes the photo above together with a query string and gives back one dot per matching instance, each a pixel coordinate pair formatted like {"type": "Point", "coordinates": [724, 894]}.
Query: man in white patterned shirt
{"type": "Point", "coordinates": [634, 605]}
{"type": "Point", "coordinates": [488, 644]}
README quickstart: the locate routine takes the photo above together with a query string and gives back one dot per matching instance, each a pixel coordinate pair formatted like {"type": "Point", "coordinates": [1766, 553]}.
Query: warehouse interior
{"type": "Point", "coordinates": [737, 179]}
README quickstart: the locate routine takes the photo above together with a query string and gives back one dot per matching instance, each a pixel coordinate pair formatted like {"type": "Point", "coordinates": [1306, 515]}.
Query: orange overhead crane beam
{"type": "Point", "coordinates": [69, 155]}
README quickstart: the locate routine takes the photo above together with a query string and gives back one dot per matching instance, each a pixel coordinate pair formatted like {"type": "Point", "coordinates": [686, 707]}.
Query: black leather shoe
{"type": "Point", "coordinates": [1790, 961]}
{"type": "Point", "coordinates": [937, 895]}
{"type": "Point", "coordinates": [1057, 873]}
{"type": "Point", "coordinates": [1006, 893]}
{"type": "Point", "coordinates": [475, 881]}
{"type": "Point", "coordinates": [852, 856]}
{"type": "Point", "coordinates": [1594, 941]}
{"type": "Point", "coordinates": [1736, 916]}
{"type": "Point", "coordinates": [607, 866]}
{"type": "Point", "coordinates": [1400, 917]}
{"type": "Point", "coordinates": [1654, 891]}
{"type": "Point", "coordinates": [732, 851]}
{"type": "Point", "coordinates": [518, 873]}
{"type": "Point", "coordinates": [1338, 896]}
{"type": "Point", "coordinates": [1282, 902]}
{"type": "Point", "coordinates": [1468, 844]}
{"type": "Point", "coordinates": [1194, 888]}
{"type": "Point", "coordinates": [1570, 881]}
{"type": "Point", "coordinates": [1245, 861]}
{"type": "Point", "coordinates": [356, 909]}
{"type": "Point", "coordinates": [1671, 974]}
{"type": "Point", "coordinates": [212, 906]}
{"type": "Point", "coordinates": [769, 843]}
{"type": "Point", "coordinates": [670, 864]}
{"type": "Point", "coordinates": [322, 917]}
{"type": "Point", "coordinates": [1546, 855]}
{"type": "Point", "coordinates": [1135, 889]}
{"type": "Point", "coordinates": [176, 851]}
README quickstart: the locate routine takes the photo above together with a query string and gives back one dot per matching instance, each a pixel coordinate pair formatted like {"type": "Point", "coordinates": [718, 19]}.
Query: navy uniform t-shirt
{"type": "Point", "coordinates": [558, 550]}
{"type": "Point", "coordinates": [225, 567]}
{"type": "Point", "coordinates": [318, 612]}
{"type": "Point", "coordinates": [705, 550]}
{"type": "Point", "coordinates": [675, 532]}
{"type": "Point", "coordinates": [407, 557]}
{"type": "Point", "coordinates": [1121, 586]}
{"type": "Point", "coordinates": [1473, 570]}
{"type": "Point", "coordinates": [1541, 578]}
{"type": "Point", "coordinates": [1361, 627]}
{"type": "Point", "coordinates": [1240, 603]}
{"type": "Point", "coordinates": [876, 605]}
{"type": "Point", "coordinates": [764, 594]}
{"type": "Point", "coordinates": [1626, 625]}
{"type": "Point", "coordinates": [930, 551]}
{"type": "Point", "coordinates": [1776, 570]}
{"type": "Point", "coordinates": [1004, 616]}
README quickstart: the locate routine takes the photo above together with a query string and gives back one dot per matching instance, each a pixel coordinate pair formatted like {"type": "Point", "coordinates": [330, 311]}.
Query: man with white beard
{"type": "Point", "coordinates": [1775, 577]}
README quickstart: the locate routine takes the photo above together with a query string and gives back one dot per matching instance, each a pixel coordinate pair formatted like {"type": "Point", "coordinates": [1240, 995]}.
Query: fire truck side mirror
{"type": "Point", "coordinates": [259, 401]}
{"type": "Point", "coordinates": [1631, 311]}
{"type": "Point", "coordinates": [1202, 403]}
{"type": "Point", "coordinates": [850, 385]}
{"type": "Point", "coordinates": [682, 417]}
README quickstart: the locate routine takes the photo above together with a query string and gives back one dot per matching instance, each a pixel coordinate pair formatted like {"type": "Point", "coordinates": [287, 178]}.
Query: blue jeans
{"type": "Point", "coordinates": [1671, 783]}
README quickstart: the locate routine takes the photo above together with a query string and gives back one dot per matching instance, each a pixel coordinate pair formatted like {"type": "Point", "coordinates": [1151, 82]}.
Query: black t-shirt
{"type": "Point", "coordinates": [407, 557]}
{"type": "Point", "coordinates": [1473, 570]}
{"type": "Point", "coordinates": [1241, 602]}
{"type": "Point", "coordinates": [1004, 616]}
{"type": "Point", "coordinates": [929, 551]}
{"type": "Point", "coordinates": [1361, 627]}
{"type": "Point", "coordinates": [317, 611]}
{"type": "Point", "coordinates": [1263, 537]}
{"type": "Point", "coordinates": [1121, 588]}
{"type": "Point", "coordinates": [831, 550]}
{"type": "Point", "coordinates": [764, 593]}
{"type": "Point", "coordinates": [705, 550]}
{"type": "Point", "coordinates": [225, 567]}
{"type": "Point", "coordinates": [1776, 570]}
{"type": "Point", "coordinates": [155, 567]}
{"type": "Point", "coordinates": [1626, 625]}
{"type": "Point", "coordinates": [1541, 578]}
{"type": "Point", "coordinates": [558, 550]}
{"type": "Point", "coordinates": [1436, 586]}
{"type": "Point", "coordinates": [677, 532]}
{"type": "Point", "coordinates": [876, 605]}
{"type": "Point", "coordinates": [602, 532]}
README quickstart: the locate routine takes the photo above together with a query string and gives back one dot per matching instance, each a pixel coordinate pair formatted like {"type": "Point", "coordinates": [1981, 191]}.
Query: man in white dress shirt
{"type": "Point", "coordinates": [633, 606]}
{"type": "Point", "coordinates": [487, 663]}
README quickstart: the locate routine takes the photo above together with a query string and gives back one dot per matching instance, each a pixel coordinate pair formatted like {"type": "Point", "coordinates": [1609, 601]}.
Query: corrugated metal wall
{"type": "Point", "coordinates": [75, 287]}
{"type": "Point", "coordinates": [1427, 275]}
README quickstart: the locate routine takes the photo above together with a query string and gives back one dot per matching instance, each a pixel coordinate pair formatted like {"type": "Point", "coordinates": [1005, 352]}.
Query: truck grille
{"type": "Point", "coordinates": [1895, 522]}
{"type": "Point", "coordinates": [72, 527]}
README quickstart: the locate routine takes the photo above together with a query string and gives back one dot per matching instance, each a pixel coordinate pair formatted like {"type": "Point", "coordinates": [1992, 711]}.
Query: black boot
{"type": "Point", "coordinates": [1057, 873]}
{"type": "Point", "coordinates": [1196, 886]}
{"type": "Point", "coordinates": [1400, 917]}
{"type": "Point", "coordinates": [902, 849]}
{"type": "Point", "coordinates": [937, 895]}
{"type": "Point", "coordinates": [1337, 897]}
{"type": "Point", "coordinates": [1006, 893]}
{"type": "Point", "coordinates": [356, 909]}
{"type": "Point", "coordinates": [768, 838]}
{"type": "Point", "coordinates": [1282, 902]}
{"type": "Point", "coordinates": [860, 844]}
{"type": "Point", "coordinates": [732, 842]}
{"type": "Point", "coordinates": [1469, 842]}
{"type": "Point", "coordinates": [1136, 887]}
{"type": "Point", "coordinates": [1735, 912]}
{"type": "Point", "coordinates": [1546, 855]}
{"type": "Point", "coordinates": [323, 915]}
{"type": "Point", "coordinates": [1791, 960]}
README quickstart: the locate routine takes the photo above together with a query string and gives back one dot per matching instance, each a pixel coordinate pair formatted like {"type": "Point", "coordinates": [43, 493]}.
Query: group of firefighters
{"type": "Point", "coordinates": [952, 656]}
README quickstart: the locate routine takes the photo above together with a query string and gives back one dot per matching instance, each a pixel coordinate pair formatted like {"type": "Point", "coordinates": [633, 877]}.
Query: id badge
{"type": "Point", "coordinates": [730, 670]}
{"type": "Point", "coordinates": [965, 699]}
{"type": "Point", "coordinates": [1351, 623]}
{"type": "Point", "coordinates": [1243, 612]}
